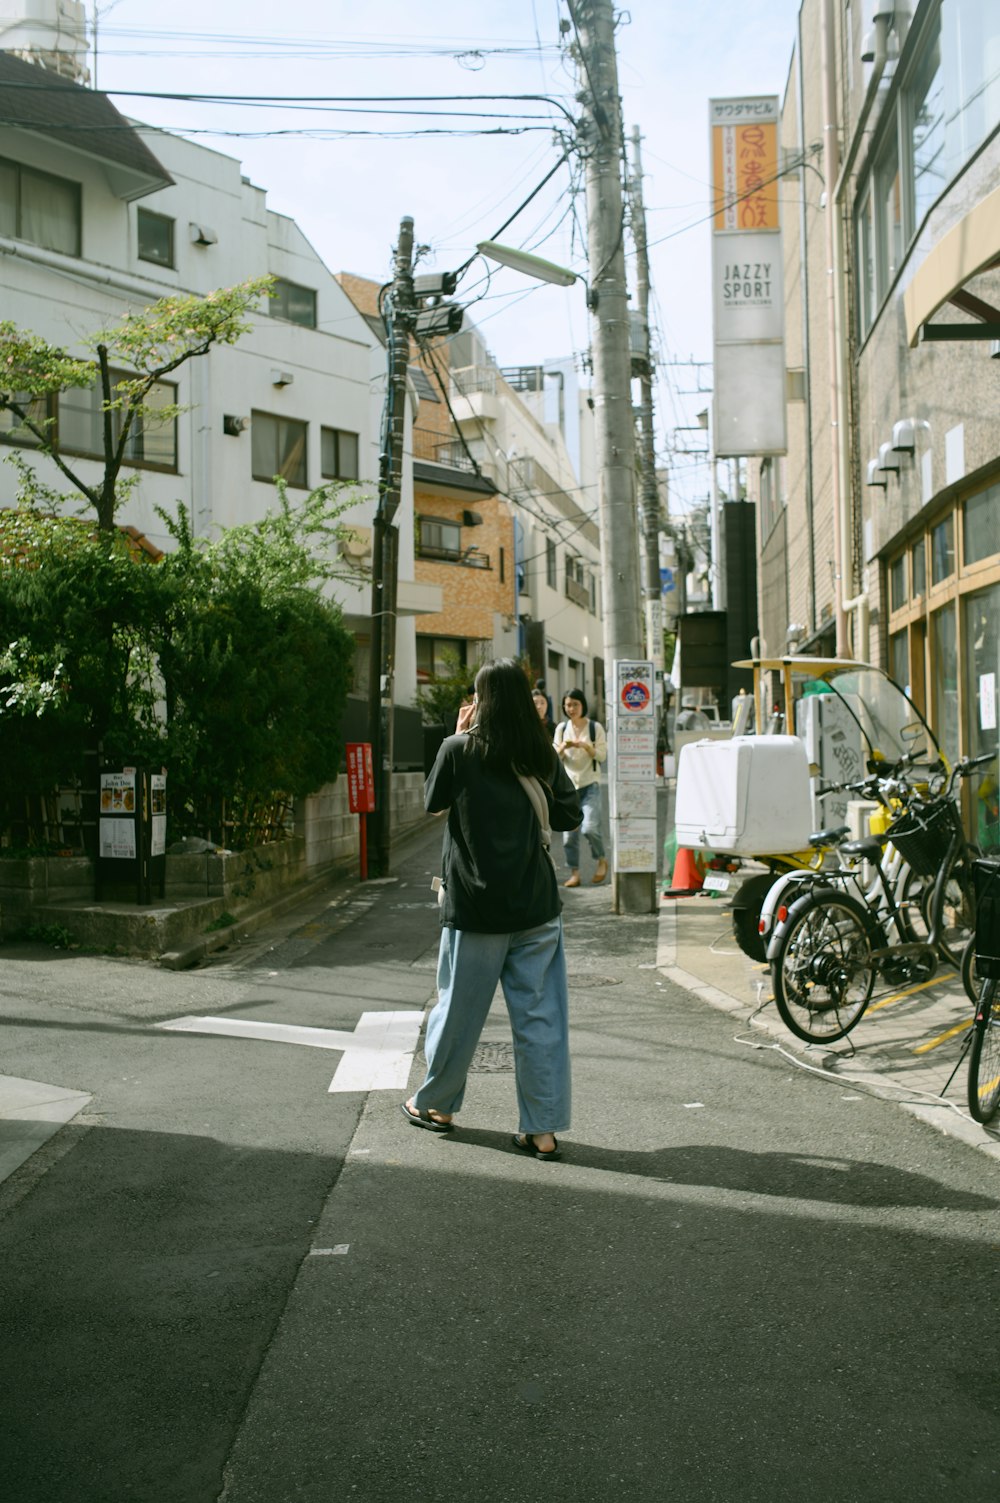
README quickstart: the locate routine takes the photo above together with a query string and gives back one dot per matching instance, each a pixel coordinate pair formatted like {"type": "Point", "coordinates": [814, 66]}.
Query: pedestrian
{"type": "Point", "coordinates": [542, 706]}
{"type": "Point", "coordinates": [541, 689]}
{"type": "Point", "coordinates": [501, 918]}
{"type": "Point", "coordinates": [582, 745]}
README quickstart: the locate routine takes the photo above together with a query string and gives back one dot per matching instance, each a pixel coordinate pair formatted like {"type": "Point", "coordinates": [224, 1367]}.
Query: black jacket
{"type": "Point", "coordinates": [498, 879]}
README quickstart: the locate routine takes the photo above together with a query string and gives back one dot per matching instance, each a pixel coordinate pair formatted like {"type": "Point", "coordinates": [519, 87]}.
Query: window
{"type": "Point", "coordinates": [867, 280]}
{"type": "Point", "coordinates": [439, 538]}
{"type": "Point", "coordinates": [278, 448]}
{"type": "Point", "coordinates": [439, 657]}
{"type": "Point", "coordinates": [550, 563]}
{"type": "Point", "coordinates": [897, 583]}
{"type": "Point", "coordinates": [152, 441]}
{"type": "Point", "coordinates": [899, 660]}
{"type": "Point", "coordinates": [155, 237]}
{"type": "Point", "coordinates": [943, 549]}
{"type": "Point", "coordinates": [981, 526]}
{"type": "Point", "coordinates": [925, 106]}
{"type": "Point", "coordinates": [294, 303]}
{"type": "Point", "coordinates": [38, 207]}
{"type": "Point", "coordinates": [919, 569]}
{"type": "Point", "coordinates": [338, 454]}
{"type": "Point", "coordinates": [947, 106]}
{"type": "Point", "coordinates": [503, 569]}
{"type": "Point", "coordinates": [945, 681]}
{"type": "Point", "coordinates": [889, 207]}
{"type": "Point", "coordinates": [40, 410]}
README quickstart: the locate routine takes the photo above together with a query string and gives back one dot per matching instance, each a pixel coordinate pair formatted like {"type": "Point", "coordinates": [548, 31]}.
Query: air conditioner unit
{"type": "Point", "coordinates": [356, 544]}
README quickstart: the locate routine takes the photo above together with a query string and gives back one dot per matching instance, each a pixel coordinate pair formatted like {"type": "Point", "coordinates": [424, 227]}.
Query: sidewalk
{"type": "Point", "coordinates": [905, 1046]}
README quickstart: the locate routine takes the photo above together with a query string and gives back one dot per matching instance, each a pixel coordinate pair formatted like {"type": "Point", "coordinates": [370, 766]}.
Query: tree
{"type": "Point", "coordinates": [152, 344]}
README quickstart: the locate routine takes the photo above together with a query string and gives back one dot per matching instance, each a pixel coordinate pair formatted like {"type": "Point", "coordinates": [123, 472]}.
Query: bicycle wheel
{"type": "Point", "coordinates": [959, 916]}
{"type": "Point", "coordinates": [984, 1056]}
{"type": "Point", "coordinates": [822, 972]}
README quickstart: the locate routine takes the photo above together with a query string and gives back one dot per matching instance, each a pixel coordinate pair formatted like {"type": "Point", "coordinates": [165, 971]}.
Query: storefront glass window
{"type": "Point", "coordinates": [899, 662]}
{"type": "Point", "coordinates": [897, 582]}
{"type": "Point", "coordinates": [945, 658]}
{"type": "Point", "coordinates": [919, 569]}
{"type": "Point", "coordinates": [943, 549]}
{"type": "Point", "coordinates": [981, 526]}
{"type": "Point", "coordinates": [981, 627]}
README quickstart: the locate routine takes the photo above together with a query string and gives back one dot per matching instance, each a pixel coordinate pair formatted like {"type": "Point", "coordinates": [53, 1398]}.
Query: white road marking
{"type": "Point", "coordinates": [376, 1056]}
{"type": "Point", "coordinates": [330, 1252]}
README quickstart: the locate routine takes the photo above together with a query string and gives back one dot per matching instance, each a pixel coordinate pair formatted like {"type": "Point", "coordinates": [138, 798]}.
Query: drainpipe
{"type": "Point", "coordinates": [806, 349]}
{"type": "Point", "coordinates": [836, 178]}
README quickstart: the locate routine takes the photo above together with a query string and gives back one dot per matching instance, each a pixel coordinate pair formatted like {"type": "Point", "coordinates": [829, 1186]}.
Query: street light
{"type": "Point", "coordinates": [523, 261]}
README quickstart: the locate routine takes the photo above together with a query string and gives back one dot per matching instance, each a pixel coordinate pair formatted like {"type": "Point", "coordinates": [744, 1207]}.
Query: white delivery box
{"type": "Point", "coordinates": [749, 796]}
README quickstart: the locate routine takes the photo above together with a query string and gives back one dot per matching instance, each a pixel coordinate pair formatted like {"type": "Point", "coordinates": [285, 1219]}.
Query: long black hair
{"type": "Point", "coordinates": [507, 730]}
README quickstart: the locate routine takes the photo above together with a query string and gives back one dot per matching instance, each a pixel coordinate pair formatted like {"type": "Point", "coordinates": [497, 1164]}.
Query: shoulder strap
{"type": "Point", "coordinates": [593, 736]}
{"type": "Point", "coordinates": [540, 804]}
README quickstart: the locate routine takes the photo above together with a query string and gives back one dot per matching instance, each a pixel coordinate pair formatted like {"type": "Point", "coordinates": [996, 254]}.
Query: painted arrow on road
{"type": "Point", "coordinates": [377, 1055]}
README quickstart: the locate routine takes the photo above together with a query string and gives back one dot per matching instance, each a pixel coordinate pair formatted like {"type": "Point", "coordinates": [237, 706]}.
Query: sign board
{"type": "Point", "coordinates": [633, 766]}
{"type": "Point", "coordinates": [748, 303]}
{"type": "Point", "coordinates": [360, 778]}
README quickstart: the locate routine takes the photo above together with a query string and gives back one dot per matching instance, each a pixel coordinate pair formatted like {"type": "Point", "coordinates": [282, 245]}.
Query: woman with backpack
{"type": "Point", "coordinates": [582, 745]}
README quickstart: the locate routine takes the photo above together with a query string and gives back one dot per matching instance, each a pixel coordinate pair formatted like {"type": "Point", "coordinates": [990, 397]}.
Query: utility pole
{"type": "Point", "coordinates": [647, 449]}
{"type": "Point", "coordinates": [602, 146]}
{"type": "Point", "coordinates": [399, 314]}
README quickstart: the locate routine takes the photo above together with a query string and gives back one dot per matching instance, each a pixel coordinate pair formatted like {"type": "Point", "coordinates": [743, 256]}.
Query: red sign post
{"type": "Point", "coordinates": [361, 793]}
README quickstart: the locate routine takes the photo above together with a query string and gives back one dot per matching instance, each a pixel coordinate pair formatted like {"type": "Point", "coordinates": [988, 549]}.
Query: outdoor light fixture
{"type": "Point", "coordinates": [282, 378]}
{"type": "Point", "coordinates": [887, 459]}
{"type": "Point", "coordinates": [523, 261]}
{"type": "Point", "coordinates": [875, 474]}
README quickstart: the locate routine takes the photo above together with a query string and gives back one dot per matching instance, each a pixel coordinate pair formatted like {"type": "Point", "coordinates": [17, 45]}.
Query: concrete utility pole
{"type": "Point", "coordinates": [647, 439]}
{"type": "Point", "coordinates": [399, 312]}
{"type": "Point", "coordinates": [602, 145]}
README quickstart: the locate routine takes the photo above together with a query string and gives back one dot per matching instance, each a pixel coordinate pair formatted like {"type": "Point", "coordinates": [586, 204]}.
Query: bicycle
{"type": "Point", "coordinates": [837, 938]}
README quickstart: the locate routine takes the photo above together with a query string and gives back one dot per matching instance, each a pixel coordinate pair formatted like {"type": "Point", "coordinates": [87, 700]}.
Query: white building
{"type": "Point", "coordinates": [98, 217]}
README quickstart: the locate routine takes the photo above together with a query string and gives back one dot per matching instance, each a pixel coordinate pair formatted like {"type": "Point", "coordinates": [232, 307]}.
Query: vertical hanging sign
{"type": "Point", "coordinates": [748, 301]}
{"type": "Point", "coordinates": [633, 766]}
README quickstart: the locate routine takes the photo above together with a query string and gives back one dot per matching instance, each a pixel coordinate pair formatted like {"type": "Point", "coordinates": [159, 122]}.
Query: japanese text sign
{"type": "Point", "coordinates": [360, 778]}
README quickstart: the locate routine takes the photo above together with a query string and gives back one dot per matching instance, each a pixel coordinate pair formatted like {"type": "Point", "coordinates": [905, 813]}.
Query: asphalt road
{"type": "Point", "coordinates": [224, 1282]}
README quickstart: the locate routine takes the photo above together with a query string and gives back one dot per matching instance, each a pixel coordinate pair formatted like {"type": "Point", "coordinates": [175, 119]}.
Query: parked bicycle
{"type": "Point", "coordinates": [838, 938]}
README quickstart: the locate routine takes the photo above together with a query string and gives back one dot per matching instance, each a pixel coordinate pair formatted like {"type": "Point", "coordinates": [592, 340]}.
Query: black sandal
{"type": "Point", "coordinates": [424, 1119]}
{"type": "Point", "coordinates": [527, 1145]}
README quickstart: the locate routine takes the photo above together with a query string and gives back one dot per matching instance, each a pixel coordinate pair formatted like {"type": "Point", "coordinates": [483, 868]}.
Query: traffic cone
{"type": "Point", "coordinates": [687, 879]}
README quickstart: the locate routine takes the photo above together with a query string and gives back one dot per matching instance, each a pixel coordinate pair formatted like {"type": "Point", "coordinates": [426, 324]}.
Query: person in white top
{"type": "Point", "coordinates": [582, 746]}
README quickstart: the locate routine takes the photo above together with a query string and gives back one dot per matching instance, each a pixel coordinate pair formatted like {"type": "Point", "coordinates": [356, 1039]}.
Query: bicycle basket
{"type": "Point", "coordinates": [921, 835]}
{"type": "Point", "coordinates": [986, 874]}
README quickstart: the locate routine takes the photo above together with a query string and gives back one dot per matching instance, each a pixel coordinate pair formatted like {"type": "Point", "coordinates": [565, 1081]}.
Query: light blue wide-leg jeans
{"type": "Point", "coordinates": [590, 803]}
{"type": "Point", "coordinates": [530, 966]}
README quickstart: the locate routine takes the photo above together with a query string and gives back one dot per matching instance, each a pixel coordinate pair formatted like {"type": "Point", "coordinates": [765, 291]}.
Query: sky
{"type": "Point", "coordinates": [348, 177]}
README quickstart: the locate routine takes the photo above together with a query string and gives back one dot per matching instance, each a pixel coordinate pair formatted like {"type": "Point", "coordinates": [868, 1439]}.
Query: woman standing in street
{"type": "Point", "coordinates": [501, 912]}
{"type": "Point", "coordinates": [583, 746]}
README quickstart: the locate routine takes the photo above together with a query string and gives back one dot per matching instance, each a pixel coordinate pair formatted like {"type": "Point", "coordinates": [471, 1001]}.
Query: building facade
{"type": "Point", "coordinates": [879, 530]}
{"type": "Point", "coordinates": [94, 224]}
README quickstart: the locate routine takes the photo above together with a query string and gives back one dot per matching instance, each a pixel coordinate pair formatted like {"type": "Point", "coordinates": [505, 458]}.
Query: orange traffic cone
{"type": "Point", "coordinates": [687, 879]}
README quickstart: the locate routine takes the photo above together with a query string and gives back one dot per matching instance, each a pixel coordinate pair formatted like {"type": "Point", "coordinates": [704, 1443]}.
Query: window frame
{"type": "Point", "coordinates": [23, 168]}
{"type": "Point", "coordinates": [130, 458]}
{"type": "Point", "coordinates": [440, 552]}
{"type": "Point", "coordinates": [256, 414]}
{"type": "Point", "coordinates": [142, 214]}
{"type": "Point", "coordinates": [286, 282]}
{"type": "Point", "coordinates": [338, 473]}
